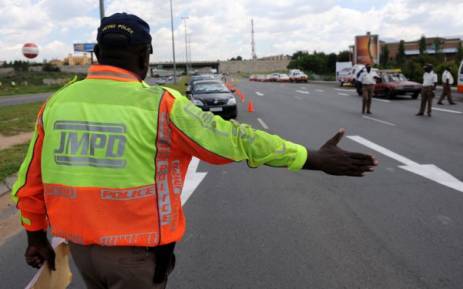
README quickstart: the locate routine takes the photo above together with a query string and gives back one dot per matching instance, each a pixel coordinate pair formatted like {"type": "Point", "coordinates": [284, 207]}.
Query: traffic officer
{"type": "Point", "coordinates": [368, 79]}
{"type": "Point", "coordinates": [108, 160]}
{"type": "Point", "coordinates": [427, 92]}
{"type": "Point", "coordinates": [447, 81]}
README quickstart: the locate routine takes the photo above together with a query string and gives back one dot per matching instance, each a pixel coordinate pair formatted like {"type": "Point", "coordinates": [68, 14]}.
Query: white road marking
{"type": "Point", "coordinates": [320, 90]}
{"type": "Point", "coordinates": [430, 171]}
{"type": "Point", "coordinates": [262, 123]}
{"type": "Point", "coordinates": [259, 93]}
{"type": "Point", "coordinates": [345, 90]}
{"type": "Point", "coordinates": [447, 110]}
{"type": "Point", "coordinates": [343, 94]}
{"type": "Point", "coordinates": [192, 180]}
{"type": "Point", "coordinates": [381, 100]}
{"type": "Point", "coordinates": [378, 120]}
{"type": "Point", "coordinates": [302, 91]}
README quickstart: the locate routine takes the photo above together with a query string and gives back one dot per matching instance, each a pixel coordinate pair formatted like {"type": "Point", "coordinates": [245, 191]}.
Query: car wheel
{"type": "Point", "coordinates": [415, 95]}
{"type": "Point", "coordinates": [390, 94]}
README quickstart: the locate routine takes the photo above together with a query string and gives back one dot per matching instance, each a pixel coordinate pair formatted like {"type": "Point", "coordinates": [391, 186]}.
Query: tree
{"type": "Point", "coordinates": [422, 45]}
{"type": "Point", "coordinates": [384, 59]}
{"type": "Point", "coordinates": [331, 62]}
{"type": "Point", "coordinates": [401, 52]}
{"type": "Point", "coordinates": [344, 56]}
{"type": "Point", "coordinates": [460, 52]}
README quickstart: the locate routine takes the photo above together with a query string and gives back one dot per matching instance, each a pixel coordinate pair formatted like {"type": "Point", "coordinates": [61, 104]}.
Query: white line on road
{"type": "Point", "coordinates": [259, 93]}
{"type": "Point", "coordinates": [192, 180]}
{"type": "Point", "coordinates": [345, 90]}
{"type": "Point", "coordinates": [447, 110]}
{"type": "Point", "coordinates": [343, 94]}
{"type": "Point", "coordinates": [302, 91]}
{"type": "Point", "coordinates": [262, 123]}
{"type": "Point", "coordinates": [430, 171]}
{"type": "Point", "coordinates": [381, 100]}
{"type": "Point", "coordinates": [378, 120]}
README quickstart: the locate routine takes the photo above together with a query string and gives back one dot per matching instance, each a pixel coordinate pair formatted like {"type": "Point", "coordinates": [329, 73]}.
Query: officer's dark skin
{"type": "Point", "coordinates": [329, 158]}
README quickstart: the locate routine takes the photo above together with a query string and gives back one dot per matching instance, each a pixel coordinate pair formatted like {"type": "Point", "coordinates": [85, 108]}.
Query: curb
{"type": "Point", "coordinates": [7, 184]}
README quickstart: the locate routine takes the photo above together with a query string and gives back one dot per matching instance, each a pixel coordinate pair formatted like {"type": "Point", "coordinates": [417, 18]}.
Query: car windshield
{"type": "Point", "coordinates": [210, 87]}
{"type": "Point", "coordinates": [396, 77]}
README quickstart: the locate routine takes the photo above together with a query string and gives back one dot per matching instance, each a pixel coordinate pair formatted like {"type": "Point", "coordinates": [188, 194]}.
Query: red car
{"type": "Point", "coordinates": [394, 83]}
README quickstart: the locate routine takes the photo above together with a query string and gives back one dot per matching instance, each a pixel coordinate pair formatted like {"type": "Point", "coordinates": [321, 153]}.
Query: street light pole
{"type": "Point", "coordinates": [186, 44]}
{"type": "Point", "coordinates": [101, 9]}
{"type": "Point", "coordinates": [173, 40]}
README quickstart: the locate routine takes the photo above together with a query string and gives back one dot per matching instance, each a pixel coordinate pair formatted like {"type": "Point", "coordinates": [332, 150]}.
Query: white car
{"type": "Point", "coordinates": [295, 75]}
{"type": "Point", "coordinates": [282, 77]}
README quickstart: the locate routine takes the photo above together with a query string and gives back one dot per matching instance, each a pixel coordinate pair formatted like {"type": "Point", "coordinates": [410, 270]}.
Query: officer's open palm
{"type": "Point", "coordinates": [335, 161]}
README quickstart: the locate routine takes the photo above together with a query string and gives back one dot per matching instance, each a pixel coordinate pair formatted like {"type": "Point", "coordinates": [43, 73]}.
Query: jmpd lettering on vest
{"type": "Point", "coordinates": [91, 144]}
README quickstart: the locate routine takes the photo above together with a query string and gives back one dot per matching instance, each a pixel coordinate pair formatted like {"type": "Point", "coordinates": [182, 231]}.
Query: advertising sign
{"type": "Point", "coordinates": [84, 47]}
{"type": "Point", "coordinates": [366, 49]}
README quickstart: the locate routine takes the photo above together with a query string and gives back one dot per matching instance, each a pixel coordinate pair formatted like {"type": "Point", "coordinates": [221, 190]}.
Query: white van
{"type": "Point", "coordinates": [460, 78]}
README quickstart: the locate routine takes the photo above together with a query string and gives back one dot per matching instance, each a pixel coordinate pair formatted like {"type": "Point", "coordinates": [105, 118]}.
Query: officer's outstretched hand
{"type": "Point", "coordinates": [39, 250]}
{"type": "Point", "coordinates": [334, 161]}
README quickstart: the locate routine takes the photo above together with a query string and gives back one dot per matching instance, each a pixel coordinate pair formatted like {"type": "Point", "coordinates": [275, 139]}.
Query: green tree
{"type": "Point", "coordinates": [384, 58]}
{"type": "Point", "coordinates": [401, 52]}
{"type": "Point", "coordinates": [331, 62]}
{"type": "Point", "coordinates": [422, 45]}
{"type": "Point", "coordinates": [344, 56]}
{"type": "Point", "coordinates": [460, 52]}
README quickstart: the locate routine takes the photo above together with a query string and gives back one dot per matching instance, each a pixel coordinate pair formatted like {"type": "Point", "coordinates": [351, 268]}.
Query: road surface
{"type": "Point", "coordinates": [270, 228]}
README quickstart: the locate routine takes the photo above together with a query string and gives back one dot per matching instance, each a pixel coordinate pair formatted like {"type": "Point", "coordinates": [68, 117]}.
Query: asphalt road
{"type": "Point", "coordinates": [270, 228]}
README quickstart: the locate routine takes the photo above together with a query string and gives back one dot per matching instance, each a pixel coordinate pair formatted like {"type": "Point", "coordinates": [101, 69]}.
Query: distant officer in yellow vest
{"type": "Point", "coordinates": [107, 163]}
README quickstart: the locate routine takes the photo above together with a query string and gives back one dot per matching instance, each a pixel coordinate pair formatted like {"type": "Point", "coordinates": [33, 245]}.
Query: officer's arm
{"type": "Point", "coordinates": [217, 141]}
{"type": "Point", "coordinates": [27, 192]}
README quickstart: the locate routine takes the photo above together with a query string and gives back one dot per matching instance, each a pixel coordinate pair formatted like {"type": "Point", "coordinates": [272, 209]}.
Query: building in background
{"type": "Point", "coordinates": [447, 46]}
{"type": "Point", "coordinates": [77, 60]}
{"type": "Point", "coordinates": [276, 58]}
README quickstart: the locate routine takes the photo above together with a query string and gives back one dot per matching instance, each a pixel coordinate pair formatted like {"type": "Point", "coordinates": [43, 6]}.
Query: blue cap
{"type": "Point", "coordinates": [136, 30]}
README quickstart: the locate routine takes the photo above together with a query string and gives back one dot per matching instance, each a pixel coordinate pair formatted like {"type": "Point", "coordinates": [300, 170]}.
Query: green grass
{"type": "Point", "coordinates": [18, 118]}
{"type": "Point", "coordinates": [10, 160]}
{"type": "Point", "coordinates": [180, 86]}
{"type": "Point", "coordinates": [34, 82]}
{"type": "Point", "coordinates": [18, 90]}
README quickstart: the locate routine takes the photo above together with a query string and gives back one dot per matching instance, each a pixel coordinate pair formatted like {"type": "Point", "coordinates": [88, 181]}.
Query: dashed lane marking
{"type": "Point", "coordinates": [343, 94]}
{"type": "Point", "coordinates": [447, 110]}
{"type": "Point", "coordinates": [302, 92]}
{"type": "Point", "coordinates": [259, 93]}
{"type": "Point", "coordinates": [378, 120]}
{"type": "Point", "coordinates": [381, 100]}
{"type": "Point", "coordinates": [262, 123]}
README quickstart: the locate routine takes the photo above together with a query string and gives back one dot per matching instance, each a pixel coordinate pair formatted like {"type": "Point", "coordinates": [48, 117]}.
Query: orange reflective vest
{"type": "Point", "coordinates": [109, 156]}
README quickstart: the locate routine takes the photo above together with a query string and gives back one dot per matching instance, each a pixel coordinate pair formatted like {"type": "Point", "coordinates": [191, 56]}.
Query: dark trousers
{"type": "Point", "coordinates": [427, 94]}
{"type": "Point", "coordinates": [118, 267]}
{"type": "Point", "coordinates": [446, 92]}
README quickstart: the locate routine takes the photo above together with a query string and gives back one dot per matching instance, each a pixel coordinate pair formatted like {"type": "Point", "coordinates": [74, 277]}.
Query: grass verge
{"type": "Point", "coordinates": [18, 118]}
{"type": "Point", "coordinates": [180, 86]}
{"type": "Point", "coordinates": [20, 90]}
{"type": "Point", "coordinates": [10, 160]}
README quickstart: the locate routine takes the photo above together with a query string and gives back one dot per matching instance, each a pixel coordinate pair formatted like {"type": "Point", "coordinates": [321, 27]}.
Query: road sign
{"type": "Point", "coordinates": [84, 47]}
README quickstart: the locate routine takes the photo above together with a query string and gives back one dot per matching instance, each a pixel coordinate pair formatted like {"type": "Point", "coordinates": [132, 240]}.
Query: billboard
{"type": "Point", "coordinates": [84, 47]}
{"type": "Point", "coordinates": [366, 49]}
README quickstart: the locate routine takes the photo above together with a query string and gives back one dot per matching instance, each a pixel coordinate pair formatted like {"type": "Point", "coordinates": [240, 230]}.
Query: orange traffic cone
{"type": "Point", "coordinates": [250, 106]}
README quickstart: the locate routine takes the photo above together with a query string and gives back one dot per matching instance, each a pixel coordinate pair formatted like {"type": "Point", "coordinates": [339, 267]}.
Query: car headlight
{"type": "Point", "coordinates": [231, 101]}
{"type": "Point", "coordinates": [197, 102]}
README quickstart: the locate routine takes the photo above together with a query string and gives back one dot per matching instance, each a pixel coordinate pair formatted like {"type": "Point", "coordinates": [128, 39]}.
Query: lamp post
{"type": "Point", "coordinates": [101, 9]}
{"type": "Point", "coordinates": [173, 40]}
{"type": "Point", "coordinates": [186, 44]}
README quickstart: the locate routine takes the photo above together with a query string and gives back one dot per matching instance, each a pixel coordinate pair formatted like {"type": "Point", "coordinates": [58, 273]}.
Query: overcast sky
{"type": "Point", "coordinates": [222, 29]}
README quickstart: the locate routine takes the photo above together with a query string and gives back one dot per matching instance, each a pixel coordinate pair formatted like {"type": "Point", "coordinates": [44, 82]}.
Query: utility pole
{"type": "Point", "coordinates": [253, 43]}
{"type": "Point", "coordinates": [186, 44]}
{"type": "Point", "coordinates": [101, 9]}
{"type": "Point", "coordinates": [173, 40]}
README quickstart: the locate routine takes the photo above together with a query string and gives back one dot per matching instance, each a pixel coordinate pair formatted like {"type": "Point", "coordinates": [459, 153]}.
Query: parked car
{"type": "Point", "coordinates": [213, 96]}
{"type": "Point", "coordinates": [273, 77]}
{"type": "Point", "coordinates": [283, 77]}
{"type": "Point", "coordinates": [345, 76]}
{"type": "Point", "coordinates": [295, 75]}
{"type": "Point", "coordinates": [253, 77]}
{"type": "Point", "coordinates": [393, 82]}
